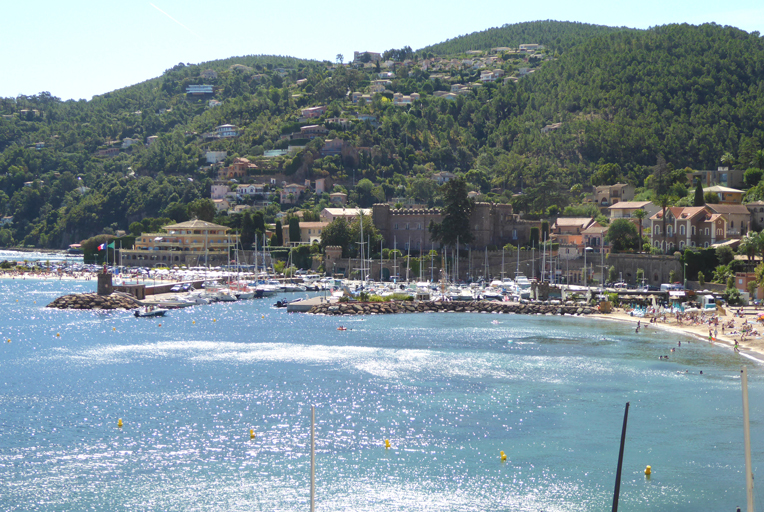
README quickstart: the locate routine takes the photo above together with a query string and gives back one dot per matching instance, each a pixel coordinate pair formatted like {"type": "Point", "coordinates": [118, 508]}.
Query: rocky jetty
{"type": "Point", "coordinates": [95, 301]}
{"type": "Point", "coordinates": [386, 308]}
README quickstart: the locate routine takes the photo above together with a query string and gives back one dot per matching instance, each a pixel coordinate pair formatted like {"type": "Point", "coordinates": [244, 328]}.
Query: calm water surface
{"type": "Point", "coordinates": [448, 390]}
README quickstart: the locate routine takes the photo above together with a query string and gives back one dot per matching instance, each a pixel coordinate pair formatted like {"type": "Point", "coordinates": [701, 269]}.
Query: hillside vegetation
{"type": "Point", "coordinates": [623, 98]}
{"type": "Point", "coordinates": [555, 35]}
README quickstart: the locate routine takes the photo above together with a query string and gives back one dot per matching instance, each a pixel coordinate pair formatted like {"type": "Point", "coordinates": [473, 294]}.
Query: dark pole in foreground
{"type": "Point", "coordinates": [620, 460]}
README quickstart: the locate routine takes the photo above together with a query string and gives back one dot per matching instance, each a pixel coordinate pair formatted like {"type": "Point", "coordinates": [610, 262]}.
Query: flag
{"type": "Point", "coordinates": [111, 245]}
{"type": "Point", "coordinates": [102, 247]}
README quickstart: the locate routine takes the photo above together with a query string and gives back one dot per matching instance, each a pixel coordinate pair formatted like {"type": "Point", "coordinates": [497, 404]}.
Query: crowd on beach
{"type": "Point", "coordinates": [726, 326]}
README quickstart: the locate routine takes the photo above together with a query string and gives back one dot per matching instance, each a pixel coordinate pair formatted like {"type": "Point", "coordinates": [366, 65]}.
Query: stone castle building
{"type": "Point", "coordinates": [493, 225]}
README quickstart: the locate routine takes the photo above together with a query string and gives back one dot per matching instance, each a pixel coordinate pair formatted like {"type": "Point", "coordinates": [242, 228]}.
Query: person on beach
{"type": "Point", "coordinates": [737, 347]}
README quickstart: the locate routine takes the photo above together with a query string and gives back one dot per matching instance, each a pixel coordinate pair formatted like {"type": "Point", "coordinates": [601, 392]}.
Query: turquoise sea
{"type": "Point", "coordinates": [450, 391]}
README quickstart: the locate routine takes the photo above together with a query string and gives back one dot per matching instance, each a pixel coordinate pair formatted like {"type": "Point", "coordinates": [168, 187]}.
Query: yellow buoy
{"type": "Point", "coordinates": [113, 328]}
{"type": "Point", "coordinates": [251, 434]}
{"type": "Point", "coordinates": [119, 423]}
{"type": "Point", "coordinates": [214, 320]}
{"type": "Point", "coordinates": [503, 456]}
{"type": "Point", "coordinates": [648, 471]}
{"type": "Point", "coordinates": [263, 316]}
{"type": "Point", "coordinates": [387, 443]}
{"type": "Point", "coordinates": [193, 322]}
{"type": "Point", "coordinates": [58, 335]}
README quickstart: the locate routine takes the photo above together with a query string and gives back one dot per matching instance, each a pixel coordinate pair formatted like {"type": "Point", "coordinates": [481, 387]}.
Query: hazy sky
{"type": "Point", "coordinates": [80, 48]}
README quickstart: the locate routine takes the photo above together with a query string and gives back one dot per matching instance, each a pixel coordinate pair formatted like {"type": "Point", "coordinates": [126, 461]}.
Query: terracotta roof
{"type": "Point", "coordinates": [729, 208]}
{"type": "Point", "coordinates": [573, 221]}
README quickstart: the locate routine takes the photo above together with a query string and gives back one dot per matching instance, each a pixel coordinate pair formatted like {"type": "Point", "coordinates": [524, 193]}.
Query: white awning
{"type": "Point", "coordinates": [158, 239]}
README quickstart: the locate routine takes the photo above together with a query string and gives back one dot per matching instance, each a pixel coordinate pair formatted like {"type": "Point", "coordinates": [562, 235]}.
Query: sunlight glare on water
{"type": "Point", "coordinates": [450, 391]}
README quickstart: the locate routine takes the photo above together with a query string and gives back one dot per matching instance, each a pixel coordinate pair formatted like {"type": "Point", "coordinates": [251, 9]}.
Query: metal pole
{"type": "Point", "coordinates": [620, 460]}
{"type": "Point", "coordinates": [747, 437]}
{"type": "Point", "coordinates": [312, 458]}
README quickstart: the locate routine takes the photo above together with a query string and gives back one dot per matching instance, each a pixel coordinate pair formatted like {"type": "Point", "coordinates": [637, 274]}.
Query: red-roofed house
{"type": "Point", "coordinates": [692, 226]}
{"type": "Point", "coordinates": [569, 230]}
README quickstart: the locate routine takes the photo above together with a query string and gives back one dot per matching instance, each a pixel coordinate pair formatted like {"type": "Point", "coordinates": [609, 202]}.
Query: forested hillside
{"type": "Point", "coordinates": [558, 36]}
{"type": "Point", "coordinates": [613, 101]}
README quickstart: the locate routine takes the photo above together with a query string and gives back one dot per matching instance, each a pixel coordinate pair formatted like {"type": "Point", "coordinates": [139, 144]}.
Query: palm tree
{"type": "Point", "coordinates": [749, 245]}
{"type": "Point", "coordinates": [640, 214]}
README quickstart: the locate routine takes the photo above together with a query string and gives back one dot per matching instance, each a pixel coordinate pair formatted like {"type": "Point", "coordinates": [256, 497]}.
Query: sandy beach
{"type": "Point", "coordinates": [751, 346]}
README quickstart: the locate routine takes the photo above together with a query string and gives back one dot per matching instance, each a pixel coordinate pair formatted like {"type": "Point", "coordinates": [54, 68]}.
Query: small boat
{"type": "Point", "coordinates": [284, 303]}
{"type": "Point", "coordinates": [149, 312]}
{"type": "Point", "coordinates": [340, 328]}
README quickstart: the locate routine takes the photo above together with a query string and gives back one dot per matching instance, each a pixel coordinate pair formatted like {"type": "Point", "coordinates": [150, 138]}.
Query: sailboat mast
{"type": "Point", "coordinates": [502, 264]}
{"type": "Point", "coordinates": [420, 260]}
{"type": "Point", "coordinates": [747, 439]}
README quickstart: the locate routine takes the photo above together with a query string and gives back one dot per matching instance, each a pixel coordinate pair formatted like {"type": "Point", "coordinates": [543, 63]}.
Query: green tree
{"type": "Point", "coordinates": [722, 273]}
{"type": "Point", "coordinates": [247, 237]}
{"type": "Point", "coordinates": [337, 233]}
{"type": "Point", "coordinates": [672, 276]}
{"type": "Point", "coordinates": [701, 279]}
{"type": "Point", "coordinates": [725, 255]}
{"type": "Point", "coordinates": [752, 176]}
{"type": "Point", "coordinates": [622, 235]}
{"type": "Point", "coordinates": [279, 234]}
{"type": "Point", "coordinates": [370, 235]}
{"type": "Point", "coordinates": [457, 208]}
{"type": "Point", "coordinates": [202, 209]}
{"type": "Point", "coordinates": [640, 214]}
{"type": "Point", "coordinates": [612, 275]}
{"type": "Point", "coordinates": [294, 229]}
{"type": "Point", "coordinates": [640, 275]}
{"type": "Point", "coordinates": [698, 200]}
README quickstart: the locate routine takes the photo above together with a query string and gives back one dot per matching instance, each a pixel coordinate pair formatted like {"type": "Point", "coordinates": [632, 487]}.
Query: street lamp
{"type": "Point", "coordinates": [586, 280]}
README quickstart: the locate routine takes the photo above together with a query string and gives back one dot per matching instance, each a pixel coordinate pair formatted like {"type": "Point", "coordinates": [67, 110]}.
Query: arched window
{"type": "Point", "coordinates": [693, 231]}
{"type": "Point", "coordinates": [681, 230]}
{"type": "Point", "coordinates": [705, 244]}
{"type": "Point", "coordinates": [692, 243]}
{"type": "Point", "coordinates": [706, 231]}
{"type": "Point", "coordinates": [732, 224]}
{"type": "Point", "coordinates": [681, 246]}
{"type": "Point", "coordinates": [718, 232]}
{"type": "Point", "coordinates": [669, 231]}
{"type": "Point", "coordinates": [657, 230]}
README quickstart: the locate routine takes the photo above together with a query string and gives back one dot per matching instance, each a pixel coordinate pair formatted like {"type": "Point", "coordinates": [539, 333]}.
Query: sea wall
{"type": "Point", "coordinates": [386, 308]}
{"type": "Point", "coordinates": [95, 302]}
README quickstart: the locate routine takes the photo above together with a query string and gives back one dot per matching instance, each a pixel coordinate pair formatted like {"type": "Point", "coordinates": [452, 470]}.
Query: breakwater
{"type": "Point", "coordinates": [386, 308]}
{"type": "Point", "coordinates": [95, 301]}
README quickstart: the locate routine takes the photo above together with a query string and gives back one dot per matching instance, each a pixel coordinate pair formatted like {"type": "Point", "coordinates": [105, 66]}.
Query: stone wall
{"type": "Point", "coordinates": [656, 267]}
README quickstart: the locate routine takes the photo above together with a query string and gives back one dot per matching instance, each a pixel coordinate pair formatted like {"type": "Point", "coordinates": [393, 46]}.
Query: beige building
{"type": "Point", "coordinates": [191, 243]}
{"type": "Point", "coordinates": [606, 195]}
{"type": "Point", "coordinates": [329, 214]}
{"type": "Point", "coordinates": [309, 232]}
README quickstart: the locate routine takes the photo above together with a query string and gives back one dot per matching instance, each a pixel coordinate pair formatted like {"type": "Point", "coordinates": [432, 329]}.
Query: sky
{"type": "Point", "coordinates": [82, 48]}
